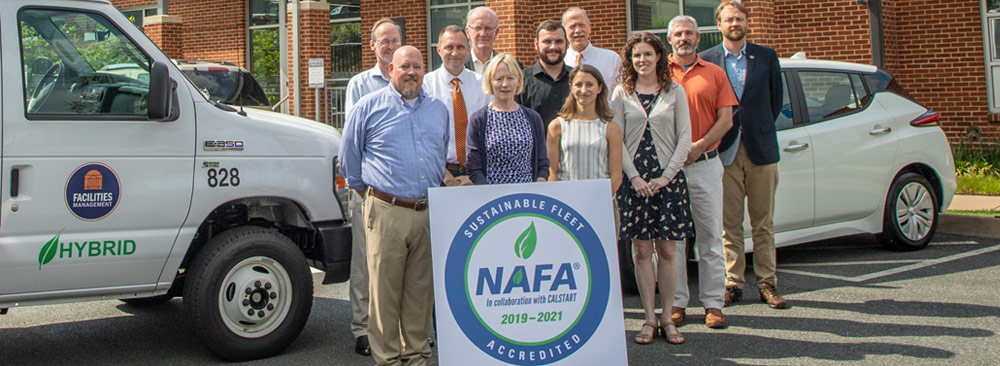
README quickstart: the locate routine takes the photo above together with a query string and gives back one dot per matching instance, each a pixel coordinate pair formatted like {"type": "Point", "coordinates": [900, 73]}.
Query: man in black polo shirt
{"type": "Point", "coordinates": [546, 83]}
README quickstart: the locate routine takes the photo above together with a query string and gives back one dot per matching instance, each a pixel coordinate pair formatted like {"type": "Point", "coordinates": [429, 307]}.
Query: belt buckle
{"type": "Point", "coordinates": [420, 205]}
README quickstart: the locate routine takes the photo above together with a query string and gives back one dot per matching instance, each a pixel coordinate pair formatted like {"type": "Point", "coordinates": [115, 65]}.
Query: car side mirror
{"type": "Point", "coordinates": [161, 92]}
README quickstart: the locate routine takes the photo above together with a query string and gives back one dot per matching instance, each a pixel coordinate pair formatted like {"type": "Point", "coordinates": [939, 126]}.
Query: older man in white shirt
{"type": "Point", "coordinates": [461, 91]}
{"type": "Point", "coordinates": [577, 25]}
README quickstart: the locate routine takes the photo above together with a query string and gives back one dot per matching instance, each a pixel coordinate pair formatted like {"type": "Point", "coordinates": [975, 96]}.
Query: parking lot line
{"type": "Point", "coordinates": [913, 265]}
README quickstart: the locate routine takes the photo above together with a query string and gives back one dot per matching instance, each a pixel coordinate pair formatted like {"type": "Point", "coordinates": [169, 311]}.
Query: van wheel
{"type": "Point", "coordinates": [248, 293]}
{"type": "Point", "coordinates": [147, 301]}
{"type": "Point", "coordinates": [911, 214]}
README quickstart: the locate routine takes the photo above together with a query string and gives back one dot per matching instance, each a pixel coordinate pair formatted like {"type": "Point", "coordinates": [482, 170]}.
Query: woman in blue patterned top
{"type": "Point", "coordinates": [505, 141]}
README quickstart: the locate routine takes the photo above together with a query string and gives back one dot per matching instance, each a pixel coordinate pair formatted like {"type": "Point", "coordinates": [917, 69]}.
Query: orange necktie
{"type": "Point", "coordinates": [461, 121]}
{"type": "Point", "coordinates": [578, 57]}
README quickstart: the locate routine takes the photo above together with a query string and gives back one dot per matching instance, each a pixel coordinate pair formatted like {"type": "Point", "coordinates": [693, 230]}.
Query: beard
{"type": "Point", "coordinates": [409, 87]}
{"type": "Point", "coordinates": [544, 57]}
{"type": "Point", "coordinates": [735, 34]}
{"type": "Point", "coordinates": [684, 48]}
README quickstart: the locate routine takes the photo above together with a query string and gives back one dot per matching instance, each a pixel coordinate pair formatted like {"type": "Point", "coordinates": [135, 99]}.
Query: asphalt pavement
{"type": "Point", "coordinates": [851, 302]}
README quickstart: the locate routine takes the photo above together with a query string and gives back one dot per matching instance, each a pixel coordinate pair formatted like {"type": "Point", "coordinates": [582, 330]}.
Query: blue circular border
{"type": "Point", "coordinates": [75, 183]}
{"type": "Point", "coordinates": [477, 333]}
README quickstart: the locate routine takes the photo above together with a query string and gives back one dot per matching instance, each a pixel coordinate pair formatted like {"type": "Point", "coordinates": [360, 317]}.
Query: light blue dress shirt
{"type": "Point", "coordinates": [393, 146]}
{"type": "Point", "coordinates": [736, 67]}
{"type": "Point", "coordinates": [363, 84]}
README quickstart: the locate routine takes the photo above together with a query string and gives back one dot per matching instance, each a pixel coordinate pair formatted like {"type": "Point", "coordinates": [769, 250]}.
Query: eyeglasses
{"type": "Point", "coordinates": [389, 42]}
{"type": "Point", "coordinates": [483, 29]}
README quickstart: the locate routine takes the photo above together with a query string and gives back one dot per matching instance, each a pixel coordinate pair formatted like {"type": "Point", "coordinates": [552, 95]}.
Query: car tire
{"type": "Point", "coordinates": [147, 301]}
{"type": "Point", "coordinates": [626, 267]}
{"type": "Point", "coordinates": [248, 293]}
{"type": "Point", "coordinates": [911, 213]}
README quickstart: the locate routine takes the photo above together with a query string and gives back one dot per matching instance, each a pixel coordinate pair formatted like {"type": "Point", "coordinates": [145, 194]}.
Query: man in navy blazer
{"type": "Point", "coordinates": [749, 151]}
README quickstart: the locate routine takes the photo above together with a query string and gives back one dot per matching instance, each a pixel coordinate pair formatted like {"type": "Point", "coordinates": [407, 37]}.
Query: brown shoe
{"type": "Point", "coordinates": [733, 294]}
{"type": "Point", "coordinates": [769, 295]}
{"type": "Point", "coordinates": [714, 318]}
{"type": "Point", "coordinates": [677, 315]}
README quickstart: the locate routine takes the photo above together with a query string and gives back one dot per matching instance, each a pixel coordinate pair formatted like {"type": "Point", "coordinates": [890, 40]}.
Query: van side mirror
{"type": "Point", "coordinates": [161, 92]}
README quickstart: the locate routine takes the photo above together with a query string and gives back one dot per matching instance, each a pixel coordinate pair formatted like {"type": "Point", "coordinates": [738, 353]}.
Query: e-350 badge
{"type": "Point", "coordinates": [223, 145]}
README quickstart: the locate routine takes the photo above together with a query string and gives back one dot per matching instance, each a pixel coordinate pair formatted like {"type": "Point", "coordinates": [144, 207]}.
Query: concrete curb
{"type": "Point", "coordinates": [980, 226]}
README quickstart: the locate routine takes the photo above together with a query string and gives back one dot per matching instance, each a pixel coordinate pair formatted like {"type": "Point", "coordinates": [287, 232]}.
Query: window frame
{"type": "Point", "coordinates": [989, 62]}
{"type": "Point", "coordinates": [806, 120]}
{"type": "Point", "coordinates": [361, 66]}
{"type": "Point", "coordinates": [145, 12]}
{"type": "Point", "coordinates": [662, 32]}
{"type": "Point", "coordinates": [432, 47]}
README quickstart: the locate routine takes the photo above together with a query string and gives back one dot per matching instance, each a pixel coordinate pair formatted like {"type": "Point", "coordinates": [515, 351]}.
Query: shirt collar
{"type": "Point", "coordinates": [538, 69]}
{"type": "Point", "coordinates": [697, 61]}
{"type": "Point", "coordinates": [743, 51]}
{"type": "Point", "coordinates": [376, 71]}
{"type": "Point", "coordinates": [399, 97]}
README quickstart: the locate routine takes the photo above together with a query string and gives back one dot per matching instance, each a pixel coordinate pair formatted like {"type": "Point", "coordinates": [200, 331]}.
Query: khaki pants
{"type": "Point", "coordinates": [400, 282]}
{"type": "Point", "coordinates": [704, 183]}
{"type": "Point", "coordinates": [756, 183]}
{"type": "Point", "coordinates": [359, 269]}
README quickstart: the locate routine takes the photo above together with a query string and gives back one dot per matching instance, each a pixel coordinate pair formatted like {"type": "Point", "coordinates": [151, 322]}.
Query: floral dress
{"type": "Point", "coordinates": [667, 214]}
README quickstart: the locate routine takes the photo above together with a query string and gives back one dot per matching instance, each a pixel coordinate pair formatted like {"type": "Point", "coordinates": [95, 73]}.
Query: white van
{"type": "Point", "coordinates": [143, 190]}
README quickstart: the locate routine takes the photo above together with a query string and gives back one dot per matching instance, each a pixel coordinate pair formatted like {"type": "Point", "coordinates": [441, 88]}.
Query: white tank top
{"type": "Point", "coordinates": [583, 149]}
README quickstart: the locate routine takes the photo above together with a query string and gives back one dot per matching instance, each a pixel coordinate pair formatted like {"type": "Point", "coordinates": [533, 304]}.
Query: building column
{"type": "Point", "coordinates": [761, 22]}
{"type": "Point", "coordinates": [517, 28]}
{"type": "Point", "coordinates": [166, 31]}
{"type": "Point", "coordinates": [314, 42]}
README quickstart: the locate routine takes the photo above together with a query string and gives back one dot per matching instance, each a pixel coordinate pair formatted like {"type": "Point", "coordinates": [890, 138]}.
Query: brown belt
{"type": "Point", "coordinates": [418, 205]}
{"type": "Point", "coordinates": [455, 167]}
{"type": "Point", "coordinates": [709, 155]}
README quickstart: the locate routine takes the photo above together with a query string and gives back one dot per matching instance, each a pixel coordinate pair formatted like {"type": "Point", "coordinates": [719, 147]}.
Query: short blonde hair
{"type": "Point", "coordinates": [491, 70]}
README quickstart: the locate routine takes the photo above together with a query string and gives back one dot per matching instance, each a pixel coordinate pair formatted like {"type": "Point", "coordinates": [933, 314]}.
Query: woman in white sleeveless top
{"type": "Point", "coordinates": [581, 143]}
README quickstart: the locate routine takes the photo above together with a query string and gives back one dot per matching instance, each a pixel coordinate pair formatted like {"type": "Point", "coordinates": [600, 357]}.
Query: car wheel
{"type": "Point", "coordinates": [147, 301]}
{"type": "Point", "coordinates": [911, 213]}
{"type": "Point", "coordinates": [248, 293]}
{"type": "Point", "coordinates": [626, 267]}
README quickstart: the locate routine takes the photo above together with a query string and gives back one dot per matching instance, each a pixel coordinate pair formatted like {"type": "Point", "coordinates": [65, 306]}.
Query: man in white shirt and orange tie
{"type": "Point", "coordinates": [577, 25]}
{"type": "Point", "coordinates": [461, 90]}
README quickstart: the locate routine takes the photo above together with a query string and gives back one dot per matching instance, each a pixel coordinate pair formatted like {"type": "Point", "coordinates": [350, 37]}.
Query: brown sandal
{"type": "Point", "coordinates": [672, 338]}
{"type": "Point", "coordinates": [643, 338]}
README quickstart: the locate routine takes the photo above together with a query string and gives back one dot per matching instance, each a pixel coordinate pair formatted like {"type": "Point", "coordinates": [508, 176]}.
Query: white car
{"type": "Point", "coordinates": [858, 155]}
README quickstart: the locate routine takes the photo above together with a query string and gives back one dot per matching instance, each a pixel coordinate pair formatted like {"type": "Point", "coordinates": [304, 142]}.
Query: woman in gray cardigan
{"type": "Point", "coordinates": [653, 113]}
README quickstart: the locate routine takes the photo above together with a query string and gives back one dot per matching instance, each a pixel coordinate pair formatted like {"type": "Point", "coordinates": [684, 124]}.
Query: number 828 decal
{"type": "Point", "coordinates": [223, 177]}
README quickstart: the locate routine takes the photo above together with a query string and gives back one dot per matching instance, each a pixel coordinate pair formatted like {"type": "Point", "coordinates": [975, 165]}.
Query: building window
{"type": "Point", "coordinates": [991, 49]}
{"type": "Point", "coordinates": [265, 60]}
{"type": "Point", "coordinates": [345, 38]}
{"type": "Point", "coordinates": [654, 15]}
{"type": "Point", "coordinates": [442, 14]}
{"type": "Point", "coordinates": [135, 15]}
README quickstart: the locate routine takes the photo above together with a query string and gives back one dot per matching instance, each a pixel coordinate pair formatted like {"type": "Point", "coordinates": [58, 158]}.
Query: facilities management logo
{"type": "Point", "coordinates": [527, 279]}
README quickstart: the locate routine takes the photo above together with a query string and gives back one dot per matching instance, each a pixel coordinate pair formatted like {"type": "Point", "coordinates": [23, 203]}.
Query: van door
{"type": "Point", "coordinates": [101, 191]}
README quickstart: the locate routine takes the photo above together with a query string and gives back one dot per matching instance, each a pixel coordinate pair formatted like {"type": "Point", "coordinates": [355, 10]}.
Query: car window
{"type": "Point", "coordinates": [827, 94]}
{"type": "Point", "coordinates": [860, 91]}
{"type": "Point", "coordinates": [79, 64]}
{"type": "Point", "coordinates": [218, 84]}
{"type": "Point", "coordinates": [785, 118]}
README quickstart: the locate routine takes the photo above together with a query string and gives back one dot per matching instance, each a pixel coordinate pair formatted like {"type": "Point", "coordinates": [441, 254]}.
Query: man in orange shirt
{"type": "Point", "coordinates": [710, 100]}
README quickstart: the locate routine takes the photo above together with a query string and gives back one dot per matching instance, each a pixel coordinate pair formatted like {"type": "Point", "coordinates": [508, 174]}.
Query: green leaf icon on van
{"type": "Point", "coordinates": [48, 251]}
{"type": "Point", "coordinates": [524, 247]}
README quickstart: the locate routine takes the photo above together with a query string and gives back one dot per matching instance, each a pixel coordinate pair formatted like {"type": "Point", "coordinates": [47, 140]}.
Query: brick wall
{"type": "Point", "coordinates": [415, 13]}
{"type": "Point", "coordinates": [213, 30]}
{"type": "Point", "coordinates": [167, 36]}
{"type": "Point", "coordinates": [939, 60]}
{"type": "Point", "coordinates": [839, 31]}
{"type": "Point", "coordinates": [314, 42]}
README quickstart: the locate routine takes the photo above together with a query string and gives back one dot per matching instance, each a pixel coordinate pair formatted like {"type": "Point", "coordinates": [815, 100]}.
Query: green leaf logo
{"type": "Point", "coordinates": [518, 276]}
{"type": "Point", "coordinates": [524, 247]}
{"type": "Point", "coordinates": [48, 251]}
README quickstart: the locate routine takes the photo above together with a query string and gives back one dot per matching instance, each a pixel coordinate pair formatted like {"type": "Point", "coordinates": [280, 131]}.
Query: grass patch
{"type": "Point", "coordinates": [988, 213]}
{"type": "Point", "coordinates": [978, 184]}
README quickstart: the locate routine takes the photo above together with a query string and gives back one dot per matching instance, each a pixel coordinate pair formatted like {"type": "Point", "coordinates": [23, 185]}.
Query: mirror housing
{"type": "Point", "coordinates": [161, 92]}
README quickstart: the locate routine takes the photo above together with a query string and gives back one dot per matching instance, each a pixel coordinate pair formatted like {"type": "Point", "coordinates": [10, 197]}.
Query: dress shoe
{"type": "Point", "coordinates": [677, 315]}
{"type": "Point", "coordinates": [430, 341]}
{"type": "Point", "coordinates": [769, 295]}
{"type": "Point", "coordinates": [714, 318]}
{"type": "Point", "coordinates": [362, 347]}
{"type": "Point", "coordinates": [733, 294]}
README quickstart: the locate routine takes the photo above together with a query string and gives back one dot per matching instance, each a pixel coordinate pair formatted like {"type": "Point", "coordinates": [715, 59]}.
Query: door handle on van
{"type": "Point", "coordinates": [14, 175]}
{"type": "Point", "coordinates": [880, 131]}
{"type": "Point", "coordinates": [798, 147]}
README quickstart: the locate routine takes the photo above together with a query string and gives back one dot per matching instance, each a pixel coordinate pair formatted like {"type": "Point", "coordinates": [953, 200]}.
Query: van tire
{"type": "Point", "coordinates": [248, 269]}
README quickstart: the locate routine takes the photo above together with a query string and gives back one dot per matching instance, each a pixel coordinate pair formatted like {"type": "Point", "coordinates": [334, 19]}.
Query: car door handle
{"type": "Point", "coordinates": [880, 131]}
{"type": "Point", "coordinates": [15, 177]}
{"type": "Point", "coordinates": [798, 147]}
